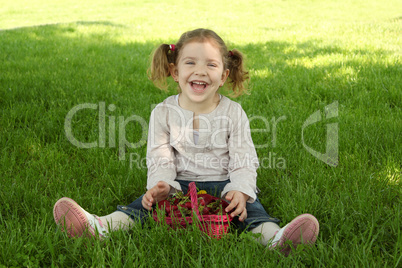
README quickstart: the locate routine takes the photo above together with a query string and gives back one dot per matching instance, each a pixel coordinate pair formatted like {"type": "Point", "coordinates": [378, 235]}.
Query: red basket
{"type": "Point", "coordinates": [213, 225]}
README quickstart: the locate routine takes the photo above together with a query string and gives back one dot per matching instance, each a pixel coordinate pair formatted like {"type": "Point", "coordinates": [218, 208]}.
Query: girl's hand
{"type": "Point", "coordinates": [157, 193]}
{"type": "Point", "coordinates": [238, 202]}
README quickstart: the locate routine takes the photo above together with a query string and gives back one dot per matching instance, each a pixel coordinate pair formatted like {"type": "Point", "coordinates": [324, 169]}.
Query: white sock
{"type": "Point", "coordinates": [278, 235]}
{"type": "Point", "coordinates": [117, 221]}
{"type": "Point", "coordinates": [267, 231]}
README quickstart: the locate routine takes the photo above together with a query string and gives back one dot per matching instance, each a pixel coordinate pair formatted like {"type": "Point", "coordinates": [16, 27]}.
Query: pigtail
{"type": "Point", "coordinates": [165, 54]}
{"type": "Point", "coordinates": [238, 74]}
{"type": "Point", "coordinates": [159, 70]}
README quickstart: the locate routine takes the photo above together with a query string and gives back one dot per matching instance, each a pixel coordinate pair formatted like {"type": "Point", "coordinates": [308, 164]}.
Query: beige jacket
{"type": "Point", "coordinates": [224, 150]}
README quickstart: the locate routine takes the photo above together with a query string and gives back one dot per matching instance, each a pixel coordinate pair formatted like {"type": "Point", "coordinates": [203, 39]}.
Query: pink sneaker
{"type": "Point", "coordinates": [76, 220]}
{"type": "Point", "coordinates": [301, 230]}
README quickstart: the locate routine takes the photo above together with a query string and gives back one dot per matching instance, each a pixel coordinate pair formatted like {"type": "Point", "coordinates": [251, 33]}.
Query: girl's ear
{"type": "Point", "coordinates": [225, 75]}
{"type": "Point", "coordinates": [174, 72]}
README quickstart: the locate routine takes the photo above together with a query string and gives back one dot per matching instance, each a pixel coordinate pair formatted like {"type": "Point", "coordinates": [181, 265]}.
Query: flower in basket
{"type": "Point", "coordinates": [178, 210]}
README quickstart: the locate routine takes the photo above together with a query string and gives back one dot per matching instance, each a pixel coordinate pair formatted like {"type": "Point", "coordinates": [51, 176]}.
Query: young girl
{"type": "Point", "coordinates": [202, 136]}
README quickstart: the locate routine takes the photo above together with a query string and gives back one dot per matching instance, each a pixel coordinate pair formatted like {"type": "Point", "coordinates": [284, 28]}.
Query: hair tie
{"type": "Point", "coordinates": [230, 54]}
{"type": "Point", "coordinates": [172, 47]}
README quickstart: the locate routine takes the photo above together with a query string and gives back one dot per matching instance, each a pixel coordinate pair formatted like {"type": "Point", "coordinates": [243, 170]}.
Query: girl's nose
{"type": "Point", "coordinates": [200, 70]}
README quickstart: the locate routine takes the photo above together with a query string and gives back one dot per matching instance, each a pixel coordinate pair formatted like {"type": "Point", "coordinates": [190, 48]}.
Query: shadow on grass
{"type": "Point", "coordinates": [47, 70]}
{"type": "Point", "coordinates": [58, 59]}
{"type": "Point", "coordinates": [85, 23]}
{"type": "Point", "coordinates": [324, 73]}
{"type": "Point", "coordinates": [102, 23]}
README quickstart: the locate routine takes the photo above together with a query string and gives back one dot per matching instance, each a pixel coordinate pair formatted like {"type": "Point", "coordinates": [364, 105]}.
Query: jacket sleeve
{"type": "Point", "coordinates": [160, 154]}
{"type": "Point", "coordinates": [243, 160]}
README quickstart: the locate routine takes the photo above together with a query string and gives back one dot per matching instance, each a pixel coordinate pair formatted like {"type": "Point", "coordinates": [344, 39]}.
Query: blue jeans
{"type": "Point", "coordinates": [256, 213]}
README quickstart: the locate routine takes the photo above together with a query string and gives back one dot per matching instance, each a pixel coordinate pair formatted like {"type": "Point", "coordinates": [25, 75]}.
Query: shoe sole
{"type": "Point", "coordinates": [69, 215]}
{"type": "Point", "coordinates": [301, 230]}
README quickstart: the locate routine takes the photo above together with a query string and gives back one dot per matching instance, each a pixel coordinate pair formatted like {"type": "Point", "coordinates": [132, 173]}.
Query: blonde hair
{"type": "Point", "coordinates": [232, 60]}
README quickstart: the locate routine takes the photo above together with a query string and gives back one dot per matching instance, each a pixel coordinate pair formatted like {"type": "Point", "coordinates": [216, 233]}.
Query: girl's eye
{"type": "Point", "coordinates": [212, 65]}
{"type": "Point", "coordinates": [190, 62]}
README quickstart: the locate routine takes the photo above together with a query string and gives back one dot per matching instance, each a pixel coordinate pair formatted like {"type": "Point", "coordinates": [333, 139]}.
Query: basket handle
{"type": "Point", "coordinates": [194, 199]}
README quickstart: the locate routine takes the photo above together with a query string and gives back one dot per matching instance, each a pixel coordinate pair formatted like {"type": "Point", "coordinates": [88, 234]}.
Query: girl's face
{"type": "Point", "coordinates": [200, 72]}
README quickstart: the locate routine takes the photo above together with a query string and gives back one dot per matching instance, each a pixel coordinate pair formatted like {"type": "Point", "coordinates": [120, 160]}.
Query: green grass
{"type": "Point", "coordinates": [302, 56]}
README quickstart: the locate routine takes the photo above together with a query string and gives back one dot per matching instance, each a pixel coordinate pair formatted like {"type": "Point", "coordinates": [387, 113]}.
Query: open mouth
{"type": "Point", "coordinates": [198, 86]}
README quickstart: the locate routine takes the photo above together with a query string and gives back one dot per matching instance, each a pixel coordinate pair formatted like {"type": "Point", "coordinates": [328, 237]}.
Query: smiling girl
{"type": "Point", "coordinates": [198, 135]}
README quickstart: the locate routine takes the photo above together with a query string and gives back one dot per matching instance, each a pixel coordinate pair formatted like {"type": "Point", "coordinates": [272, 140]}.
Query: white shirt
{"type": "Point", "coordinates": [224, 148]}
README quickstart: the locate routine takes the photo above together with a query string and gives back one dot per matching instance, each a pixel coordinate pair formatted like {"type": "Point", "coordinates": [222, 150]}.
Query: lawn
{"type": "Point", "coordinates": [325, 78]}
